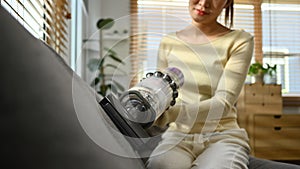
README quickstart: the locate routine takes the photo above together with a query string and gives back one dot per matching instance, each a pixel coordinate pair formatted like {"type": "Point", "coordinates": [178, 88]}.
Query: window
{"type": "Point", "coordinates": [44, 19]}
{"type": "Point", "coordinates": [281, 42]}
{"type": "Point", "coordinates": [275, 27]}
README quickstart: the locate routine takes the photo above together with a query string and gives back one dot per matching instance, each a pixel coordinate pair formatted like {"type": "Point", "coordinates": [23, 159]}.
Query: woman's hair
{"type": "Point", "coordinates": [229, 13]}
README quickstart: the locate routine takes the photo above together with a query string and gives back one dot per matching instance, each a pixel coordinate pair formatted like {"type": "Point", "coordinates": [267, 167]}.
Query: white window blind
{"type": "Point", "coordinates": [154, 19]}
{"type": "Point", "coordinates": [281, 42]}
{"type": "Point", "coordinates": [44, 19]}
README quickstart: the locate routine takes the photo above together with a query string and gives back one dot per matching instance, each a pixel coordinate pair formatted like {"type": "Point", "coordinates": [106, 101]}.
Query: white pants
{"type": "Point", "coordinates": [219, 150]}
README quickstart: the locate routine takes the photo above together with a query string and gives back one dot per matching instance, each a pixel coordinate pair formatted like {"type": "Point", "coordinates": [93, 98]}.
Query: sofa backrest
{"type": "Point", "coordinates": [49, 116]}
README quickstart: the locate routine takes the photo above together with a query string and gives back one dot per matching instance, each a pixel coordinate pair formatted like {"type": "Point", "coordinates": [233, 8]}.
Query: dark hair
{"type": "Point", "coordinates": [229, 13]}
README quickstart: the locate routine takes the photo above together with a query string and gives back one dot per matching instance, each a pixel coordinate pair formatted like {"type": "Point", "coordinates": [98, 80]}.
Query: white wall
{"type": "Point", "coordinates": [115, 9]}
{"type": "Point", "coordinates": [118, 10]}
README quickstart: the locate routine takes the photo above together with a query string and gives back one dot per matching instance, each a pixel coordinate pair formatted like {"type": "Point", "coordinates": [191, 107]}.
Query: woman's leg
{"type": "Point", "coordinates": [222, 156]}
{"type": "Point", "coordinates": [174, 152]}
{"type": "Point", "coordinates": [225, 151]}
{"type": "Point", "coordinates": [175, 158]}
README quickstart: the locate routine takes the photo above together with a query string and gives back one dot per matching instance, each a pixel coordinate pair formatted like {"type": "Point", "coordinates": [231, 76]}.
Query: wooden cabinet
{"type": "Point", "coordinates": [273, 135]}
{"type": "Point", "coordinates": [258, 99]}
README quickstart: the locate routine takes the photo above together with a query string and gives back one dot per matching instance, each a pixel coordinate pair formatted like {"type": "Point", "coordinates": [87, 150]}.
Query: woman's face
{"type": "Point", "coordinates": [205, 11]}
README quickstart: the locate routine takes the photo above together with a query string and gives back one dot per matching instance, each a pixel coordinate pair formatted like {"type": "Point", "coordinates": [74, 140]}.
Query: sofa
{"type": "Point", "coordinates": [50, 118]}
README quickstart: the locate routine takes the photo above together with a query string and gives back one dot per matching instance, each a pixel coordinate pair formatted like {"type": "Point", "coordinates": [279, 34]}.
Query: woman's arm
{"type": "Point", "coordinates": [230, 83]}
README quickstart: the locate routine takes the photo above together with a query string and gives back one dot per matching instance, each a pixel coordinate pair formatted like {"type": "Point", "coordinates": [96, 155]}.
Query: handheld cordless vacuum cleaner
{"type": "Point", "coordinates": [137, 108]}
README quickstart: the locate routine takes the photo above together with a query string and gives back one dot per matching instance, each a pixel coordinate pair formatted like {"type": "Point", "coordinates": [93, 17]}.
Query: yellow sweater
{"type": "Point", "coordinates": [214, 74]}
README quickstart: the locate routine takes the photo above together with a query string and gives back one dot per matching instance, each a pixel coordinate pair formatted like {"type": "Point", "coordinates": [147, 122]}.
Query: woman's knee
{"type": "Point", "coordinates": [222, 156]}
{"type": "Point", "coordinates": [175, 158]}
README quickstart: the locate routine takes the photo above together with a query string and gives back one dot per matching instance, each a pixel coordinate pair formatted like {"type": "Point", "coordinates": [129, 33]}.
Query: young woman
{"type": "Point", "coordinates": [202, 128]}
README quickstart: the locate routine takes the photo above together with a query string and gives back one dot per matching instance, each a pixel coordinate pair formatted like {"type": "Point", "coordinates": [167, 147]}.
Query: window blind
{"type": "Point", "coordinates": [151, 20]}
{"type": "Point", "coordinates": [281, 42]}
{"type": "Point", "coordinates": [273, 23]}
{"type": "Point", "coordinates": [44, 19]}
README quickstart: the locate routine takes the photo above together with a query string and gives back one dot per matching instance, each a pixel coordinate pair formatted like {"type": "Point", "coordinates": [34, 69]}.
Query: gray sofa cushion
{"type": "Point", "coordinates": [257, 163]}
